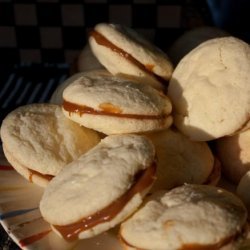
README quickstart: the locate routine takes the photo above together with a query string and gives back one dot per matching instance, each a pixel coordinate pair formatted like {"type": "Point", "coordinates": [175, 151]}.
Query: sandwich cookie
{"type": "Point", "coordinates": [101, 188]}
{"type": "Point", "coordinates": [187, 217]}
{"type": "Point", "coordinates": [113, 105]}
{"type": "Point", "coordinates": [233, 152]}
{"type": "Point", "coordinates": [38, 140]}
{"type": "Point", "coordinates": [210, 89]}
{"type": "Point", "coordinates": [122, 51]}
{"type": "Point", "coordinates": [181, 160]}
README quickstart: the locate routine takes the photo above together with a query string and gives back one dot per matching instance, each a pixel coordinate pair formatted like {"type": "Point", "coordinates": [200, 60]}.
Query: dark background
{"type": "Point", "coordinates": [54, 31]}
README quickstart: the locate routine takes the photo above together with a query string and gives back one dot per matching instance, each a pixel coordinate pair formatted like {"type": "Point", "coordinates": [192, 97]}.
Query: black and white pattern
{"type": "Point", "coordinates": [55, 31]}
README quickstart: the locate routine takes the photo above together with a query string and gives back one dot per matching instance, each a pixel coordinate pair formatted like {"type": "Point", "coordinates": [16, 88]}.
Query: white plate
{"type": "Point", "coordinates": [21, 218]}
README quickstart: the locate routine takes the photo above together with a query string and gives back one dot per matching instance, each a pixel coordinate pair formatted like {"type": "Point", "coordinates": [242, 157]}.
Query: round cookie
{"type": "Point", "coordinates": [114, 105]}
{"type": "Point", "coordinates": [233, 152]}
{"type": "Point", "coordinates": [181, 160]}
{"type": "Point", "coordinates": [187, 217]}
{"type": "Point", "coordinates": [101, 188]}
{"type": "Point", "coordinates": [210, 91]}
{"type": "Point", "coordinates": [38, 140]}
{"type": "Point", "coordinates": [122, 51]}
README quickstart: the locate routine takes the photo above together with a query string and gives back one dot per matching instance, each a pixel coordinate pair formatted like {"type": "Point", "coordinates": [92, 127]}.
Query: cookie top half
{"type": "Point", "coordinates": [210, 89]}
{"type": "Point", "coordinates": [39, 138]}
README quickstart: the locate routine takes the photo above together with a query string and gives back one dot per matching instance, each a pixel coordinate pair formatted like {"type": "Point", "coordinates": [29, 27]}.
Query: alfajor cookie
{"type": "Point", "coordinates": [123, 51]}
{"type": "Point", "coordinates": [210, 89]}
{"type": "Point", "coordinates": [233, 152]}
{"type": "Point", "coordinates": [101, 188]}
{"type": "Point", "coordinates": [187, 217]}
{"type": "Point", "coordinates": [181, 160]}
{"type": "Point", "coordinates": [114, 105]}
{"type": "Point", "coordinates": [38, 140]}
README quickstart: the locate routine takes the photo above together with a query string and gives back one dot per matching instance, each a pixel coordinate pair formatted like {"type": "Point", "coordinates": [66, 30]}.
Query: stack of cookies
{"type": "Point", "coordinates": [127, 145]}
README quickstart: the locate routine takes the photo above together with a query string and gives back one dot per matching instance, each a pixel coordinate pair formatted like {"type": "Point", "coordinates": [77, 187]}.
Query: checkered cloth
{"type": "Point", "coordinates": [55, 31]}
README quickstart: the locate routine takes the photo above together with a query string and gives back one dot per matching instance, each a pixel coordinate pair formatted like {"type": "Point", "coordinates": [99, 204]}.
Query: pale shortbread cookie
{"type": "Point", "coordinates": [57, 96]}
{"type": "Point", "coordinates": [181, 160]}
{"type": "Point", "coordinates": [116, 174]}
{"type": "Point", "coordinates": [122, 51]}
{"type": "Point", "coordinates": [38, 140]}
{"type": "Point", "coordinates": [233, 152]}
{"type": "Point", "coordinates": [187, 217]}
{"type": "Point", "coordinates": [113, 105]}
{"type": "Point", "coordinates": [210, 89]}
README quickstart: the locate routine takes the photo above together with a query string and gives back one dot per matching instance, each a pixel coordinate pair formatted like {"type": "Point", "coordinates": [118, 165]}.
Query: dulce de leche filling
{"type": "Point", "coordinates": [33, 173]}
{"type": "Point", "coordinates": [142, 180]}
{"type": "Point", "coordinates": [148, 68]}
{"type": "Point", "coordinates": [80, 109]}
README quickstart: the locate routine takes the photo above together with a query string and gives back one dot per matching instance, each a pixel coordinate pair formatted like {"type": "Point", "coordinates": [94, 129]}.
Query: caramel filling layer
{"type": "Point", "coordinates": [148, 68]}
{"type": "Point", "coordinates": [80, 109]}
{"type": "Point", "coordinates": [142, 180]}
{"type": "Point", "coordinates": [35, 173]}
